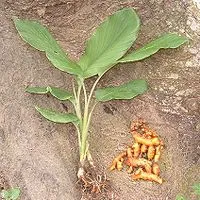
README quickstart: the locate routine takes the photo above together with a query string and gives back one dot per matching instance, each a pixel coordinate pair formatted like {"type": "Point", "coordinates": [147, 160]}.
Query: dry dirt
{"type": "Point", "coordinates": [41, 157]}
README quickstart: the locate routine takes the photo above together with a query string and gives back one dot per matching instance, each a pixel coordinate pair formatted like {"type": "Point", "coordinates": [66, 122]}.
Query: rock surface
{"type": "Point", "coordinates": [41, 157]}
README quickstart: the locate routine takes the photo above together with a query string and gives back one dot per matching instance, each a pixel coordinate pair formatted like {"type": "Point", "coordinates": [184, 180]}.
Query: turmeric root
{"type": "Point", "coordinates": [136, 150]}
{"type": "Point", "coordinates": [156, 169]}
{"type": "Point", "coordinates": [148, 168]}
{"type": "Point", "coordinates": [129, 152]}
{"type": "Point", "coordinates": [151, 152]}
{"type": "Point", "coordinates": [144, 154]}
{"type": "Point", "coordinates": [144, 148]}
{"type": "Point", "coordinates": [157, 153]}
{"type": "Point", "coordinates": [130, 170]}
{"type": "Point", "coordinates": [140, 162]}
{"type": "Point", "coordinates": [136, 162]}
{"type": "Point", "coordinates": [118, 162]}
{"type": "Point", "coordinates": [137, 125]}
{"type": "Point", "coordinates": [150, 134]}
{"type": "Point", "coordinates": [145, 141]}
{"type": "Point", "coordinates": [140, 174]}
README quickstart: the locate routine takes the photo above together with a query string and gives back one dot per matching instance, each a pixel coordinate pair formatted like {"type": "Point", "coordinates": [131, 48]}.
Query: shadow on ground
{"type": "Point", "coordinates": [41, 157]}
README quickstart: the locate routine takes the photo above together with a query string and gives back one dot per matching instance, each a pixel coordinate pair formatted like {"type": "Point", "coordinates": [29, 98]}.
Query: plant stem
{"type": "Point", "coordinates": [90, 114]}
{"type": "Point", "coordinates": [86, 120]}
{"type": "Point", "coordinates": [85, 94]}
{"type": "Point", "coordinates": [93, 88]}
{"type": "Point", "coordinates": [84, 134]}
{"type": "Point", "coordinates": [79, 136]}
{"type": "Point", "coordinates": [77, 108]}
{"type": "Point", "coordinates": [77, 104]}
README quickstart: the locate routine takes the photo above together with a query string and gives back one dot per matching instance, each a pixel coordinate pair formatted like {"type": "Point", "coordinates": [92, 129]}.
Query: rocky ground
{"type": "Point", "coordinates": [41, 157]}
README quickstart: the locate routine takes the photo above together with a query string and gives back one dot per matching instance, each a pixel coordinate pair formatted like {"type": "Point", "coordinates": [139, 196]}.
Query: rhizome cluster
{"type": "Point", "coordinates": [142, 157]}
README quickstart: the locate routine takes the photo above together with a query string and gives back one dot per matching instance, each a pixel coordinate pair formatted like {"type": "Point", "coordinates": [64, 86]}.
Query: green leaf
{"type": "Point", "coordinates": [125, 91]}
{"type": "Point", "coordinates": [196, 188]}
{"type": "Point", "coordinates": [62, 62]}
{"type": "Point", "coordinates": [169, 40]}
{"type": "Point", "coordinates": [180, 197]}
{"type": "Point", "coordinates": [110, 42]}
{"type": "Point", "coordinates": [39, 37]}
{"type": "Point", "coordinates": [37, 90]}
{"type": "Point", "coordinates": [58, 93]}
{"type": "Point", "coordinates": [57, 116]}
{"type": "Point", "coordinates": [11, 194]}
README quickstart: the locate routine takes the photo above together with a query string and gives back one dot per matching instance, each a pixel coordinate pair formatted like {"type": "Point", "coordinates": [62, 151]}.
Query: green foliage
{"type": "Point", "coordinates": [39, 37]}
{"type": "Point", "coordinates": [58, 93]}
{"type": "Point", "coordinates": [110, 42]}
{"type": "Point", "coordinates": [104, 49]}
{"type": "Point", "coordinates": [125, 91]}
{"type": "Point", "coordinates": [57, 116]}
{"type": "Point", "coordinates": [180, 197]}
{"type": "Point", "coordinates": [169, 40]}
{"type": "Point", "coordinates": [11, 194]}
{"type": "Point", "coordinates": [196, 188]}
{"type": "Point", "coordinates": [37, 90]}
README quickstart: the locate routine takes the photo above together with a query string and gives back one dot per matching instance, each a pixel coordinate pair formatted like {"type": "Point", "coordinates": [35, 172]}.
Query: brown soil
{"type": "Point", "coordinates": [41, 157]}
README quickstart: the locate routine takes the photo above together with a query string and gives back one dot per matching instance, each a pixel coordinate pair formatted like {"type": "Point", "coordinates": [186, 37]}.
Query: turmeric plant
{"type": "Point", "coordinates": [105, 49]}
{"type": "Point", "coordinates": [11, 194]}
{"type": "Point", "coordinates": [196, 191]}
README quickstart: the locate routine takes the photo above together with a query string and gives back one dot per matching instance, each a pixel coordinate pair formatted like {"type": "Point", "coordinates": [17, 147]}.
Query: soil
{"type": "Point", "coordinates": [41, 157]}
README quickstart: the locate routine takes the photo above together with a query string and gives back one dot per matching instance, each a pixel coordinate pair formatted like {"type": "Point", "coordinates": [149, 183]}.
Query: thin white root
{"type": "Point", "coordinates": [90, 160]}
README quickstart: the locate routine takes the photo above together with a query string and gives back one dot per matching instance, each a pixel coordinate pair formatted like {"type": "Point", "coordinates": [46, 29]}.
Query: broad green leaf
{"type": "Point", "coordinates": [169, 40]}
{"type": "Point", "coordinates": [39, 37]}
{"type": "Point", "coordinates": [62, 62]}
{"type": "Point", "coordinates": [180, 197]}
{"type": "Point", "coordinates": [58, 93]}
{"type": "Point", "coordinates": [125, 91]}
{"type": "Point", "coordinates": [10, 194]}
{"type": "Point", "coordinates": [110, 42]}
{"type": "Point", "coordinates": [57, 117]}
{"type": "Point", "coordinates": [37, 90]}
{"type": "Point", "coordinates": [196, 188]}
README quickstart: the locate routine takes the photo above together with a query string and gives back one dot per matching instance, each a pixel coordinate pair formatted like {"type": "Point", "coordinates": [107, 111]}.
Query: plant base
{"type": "Point", "coordinates": [91, 182]}
{"type": "Point", "coordinates": [94, 184]}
